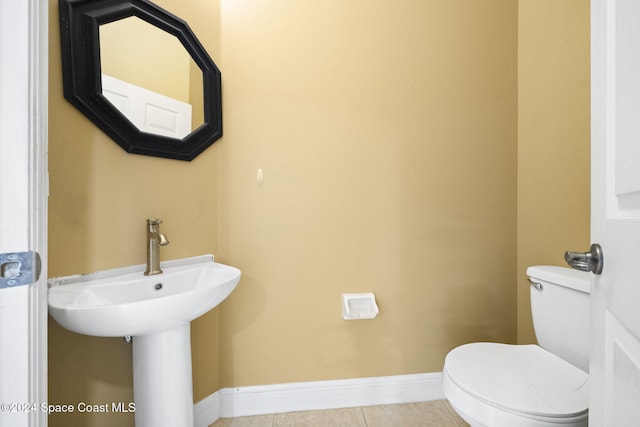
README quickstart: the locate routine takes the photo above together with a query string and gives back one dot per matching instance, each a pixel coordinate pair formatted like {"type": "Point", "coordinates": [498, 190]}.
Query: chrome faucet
{"type": "Point", "coordinates": [155, 239]}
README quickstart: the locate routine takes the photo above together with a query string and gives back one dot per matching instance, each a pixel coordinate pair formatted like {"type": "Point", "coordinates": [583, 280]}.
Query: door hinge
{"type": "Point", "coordinates": [19, 269]}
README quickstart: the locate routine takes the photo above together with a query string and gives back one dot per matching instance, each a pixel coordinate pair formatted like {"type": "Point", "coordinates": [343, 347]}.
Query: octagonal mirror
{"type": "Point", "coordinates": [140, 74]}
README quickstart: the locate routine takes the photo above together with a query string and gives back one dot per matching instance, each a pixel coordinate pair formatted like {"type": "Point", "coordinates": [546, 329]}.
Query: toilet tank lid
{"type": "Point", "coordinates": [562, 276]}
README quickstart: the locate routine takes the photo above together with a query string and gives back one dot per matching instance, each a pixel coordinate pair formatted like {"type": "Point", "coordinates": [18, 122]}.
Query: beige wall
{"type": "Point", "coordinates": [553, 138]}
{"type": "Point", "coordinates": [387, 136]}
{"type": "Point", "coordinates": [387, 133]}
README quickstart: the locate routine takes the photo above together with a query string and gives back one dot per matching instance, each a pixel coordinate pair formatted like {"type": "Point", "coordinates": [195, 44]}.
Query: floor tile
{"type": "Point", "coordinates": [438, 413]}
{"type": "Point", "coordinates": [255, 421]}
{"type": "Point", "coordinates": [410, 415]}
{"type": "Point", "coordinates": [454, 414]}
{"type": "Point", "coordinates": [346, 417]}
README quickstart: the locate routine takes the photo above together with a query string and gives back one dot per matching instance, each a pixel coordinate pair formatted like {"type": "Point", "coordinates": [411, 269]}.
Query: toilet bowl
{"type": "Point", "coordinates": [493, 384]}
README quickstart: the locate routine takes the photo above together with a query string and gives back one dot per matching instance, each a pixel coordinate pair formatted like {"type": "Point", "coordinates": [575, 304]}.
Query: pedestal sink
{"type": "Point", "coordinates": [156, 311]}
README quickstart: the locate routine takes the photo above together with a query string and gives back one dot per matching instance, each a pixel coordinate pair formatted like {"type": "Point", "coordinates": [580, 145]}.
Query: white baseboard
{"type": "Point", "coordinates": [207, 411]}
{"type": "Point", "coordinates": [315, 395]}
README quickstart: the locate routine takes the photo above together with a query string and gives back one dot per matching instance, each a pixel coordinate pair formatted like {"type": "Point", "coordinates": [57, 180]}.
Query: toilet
{"type": "Point", "coordinates": [492, 384]}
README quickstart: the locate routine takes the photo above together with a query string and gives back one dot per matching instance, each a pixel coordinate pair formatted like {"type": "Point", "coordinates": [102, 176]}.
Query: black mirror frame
{"type": "Point", "coordinates": [82, 83]}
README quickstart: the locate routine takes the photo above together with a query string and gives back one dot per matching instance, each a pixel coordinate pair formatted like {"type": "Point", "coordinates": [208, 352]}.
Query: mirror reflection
{"type": "Point", "coordinates": [150, 78]}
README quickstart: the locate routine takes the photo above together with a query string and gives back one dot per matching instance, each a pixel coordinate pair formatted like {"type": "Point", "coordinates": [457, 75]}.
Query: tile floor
{"type": "Point", "coordinates": [435, 413]}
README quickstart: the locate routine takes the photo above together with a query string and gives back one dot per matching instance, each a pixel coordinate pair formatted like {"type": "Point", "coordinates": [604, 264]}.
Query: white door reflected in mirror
{"type": "Point", "coordinates": [149, 111]}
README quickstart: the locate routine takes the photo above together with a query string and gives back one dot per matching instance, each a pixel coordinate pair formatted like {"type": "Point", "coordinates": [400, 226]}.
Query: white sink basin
{"type": "Point", "coordinates": [156, 311]}
{"type": "Point", "coordinates": [124, 302]}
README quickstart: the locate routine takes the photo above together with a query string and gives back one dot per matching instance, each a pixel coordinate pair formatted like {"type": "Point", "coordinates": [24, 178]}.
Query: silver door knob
{"type": "Point", "coordinates": [586, 261]}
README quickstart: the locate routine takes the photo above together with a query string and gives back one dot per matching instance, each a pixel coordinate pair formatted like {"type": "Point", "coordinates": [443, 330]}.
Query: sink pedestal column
{"type": "Point", "coordinates": [162, 390]}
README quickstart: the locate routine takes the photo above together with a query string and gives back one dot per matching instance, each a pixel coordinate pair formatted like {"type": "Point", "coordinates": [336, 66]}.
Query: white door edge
{"type": "Point", "coordinates": [23, 210]}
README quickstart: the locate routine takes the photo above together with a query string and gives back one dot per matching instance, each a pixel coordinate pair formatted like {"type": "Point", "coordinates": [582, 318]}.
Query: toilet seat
{"type": "Point", "coordinates": [522, 380]}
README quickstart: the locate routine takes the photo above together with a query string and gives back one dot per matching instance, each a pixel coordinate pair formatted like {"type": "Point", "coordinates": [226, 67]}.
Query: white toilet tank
{"type": "Point", "coordinates": [560, 311]}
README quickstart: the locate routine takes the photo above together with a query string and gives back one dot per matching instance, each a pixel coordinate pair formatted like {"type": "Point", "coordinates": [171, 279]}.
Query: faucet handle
{"type": "Point", "coordinates": [152, 221]}
{"type": "Point", "coordinates": [164, 241]}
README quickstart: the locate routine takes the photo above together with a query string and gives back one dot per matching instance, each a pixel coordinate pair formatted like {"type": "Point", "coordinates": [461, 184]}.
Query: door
{"type": "Point", "coordinates": [23, 211]}
{"type": "Point", "coordinates": [615, 294]}
{"type": "Point", "coordinates": [151, 112]}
